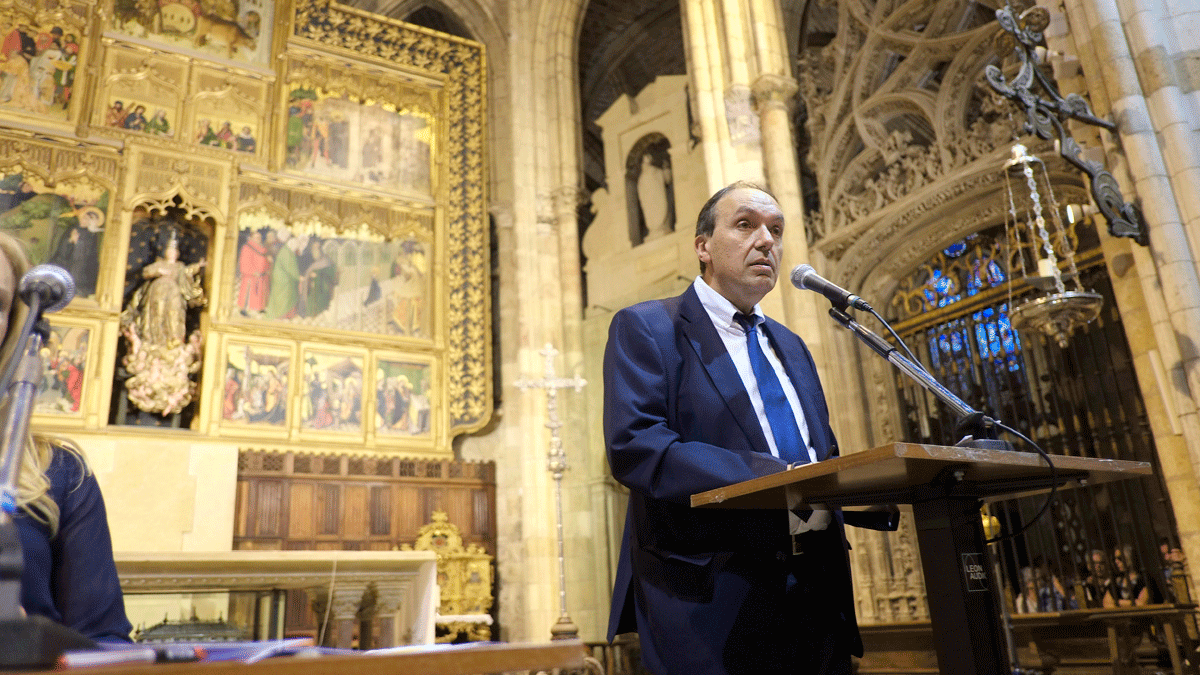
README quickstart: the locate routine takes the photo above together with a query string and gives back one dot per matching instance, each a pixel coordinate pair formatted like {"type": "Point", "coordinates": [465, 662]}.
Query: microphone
{"type": "Point", "coordinates": [51, 285]}
{"type": "Point", "coordinates": [806, 278]}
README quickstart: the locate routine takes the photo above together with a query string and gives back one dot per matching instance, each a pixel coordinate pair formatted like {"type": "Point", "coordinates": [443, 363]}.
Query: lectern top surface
{"type": "Point", "coordinates": [902, 473]}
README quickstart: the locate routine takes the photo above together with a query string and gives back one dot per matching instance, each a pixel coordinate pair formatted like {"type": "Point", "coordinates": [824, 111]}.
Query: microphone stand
{"type": "Point", "coordinates": [980, 427]}
{"type": "Point", "coordinates": [983, 431]}
{"type": "Point", "coordinates": [25, 641]}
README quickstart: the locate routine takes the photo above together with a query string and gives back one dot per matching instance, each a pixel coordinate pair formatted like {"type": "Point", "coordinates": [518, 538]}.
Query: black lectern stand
{"type": "Point", "coordinates": [945, 486]}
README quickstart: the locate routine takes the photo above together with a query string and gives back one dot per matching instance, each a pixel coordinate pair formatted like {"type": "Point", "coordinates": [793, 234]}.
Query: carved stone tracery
{"type": "Point", "coordinates": [906, 143]}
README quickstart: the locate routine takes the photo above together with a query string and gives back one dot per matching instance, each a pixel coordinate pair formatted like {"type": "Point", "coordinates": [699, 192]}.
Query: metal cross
{"type": "Point", "coordinates": [556, 462]}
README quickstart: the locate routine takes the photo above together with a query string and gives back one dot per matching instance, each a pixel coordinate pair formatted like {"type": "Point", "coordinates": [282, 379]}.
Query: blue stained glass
{"type": "Point", "coordinates": [995, 274]}
{"type": "Point", "coordinates": [934, 351]}
{"type": "Point", "coordinates": [955, 250]}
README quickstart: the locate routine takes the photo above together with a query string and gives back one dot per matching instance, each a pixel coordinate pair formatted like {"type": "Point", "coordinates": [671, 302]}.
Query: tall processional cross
{"type": "Point", "coordinates": [556, 462]}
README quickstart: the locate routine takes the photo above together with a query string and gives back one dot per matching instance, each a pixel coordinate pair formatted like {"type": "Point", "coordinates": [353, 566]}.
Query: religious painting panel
{"type": "Point", "coordinates": [404, 397]}
{"type": "Point", "coordinates": [59, 222]}
{"type": "Point", "coordinates": [255, 389]}
{"type": "Point", "coordinates": [143, 93]}
{"type": "Point", "coordinates": [330, 135]}
{"type": "Point", "coordinates": [310, 274]}
{"type": "Point", "coordinates": [226, 111]}
{"type": "Point", "coordinates": [331, 391]}
{"type": "Point", "coordinates": [234, 30]}
{"type": "Point", "coordinates": [39, 59]}
{"type": "Point", "coordinates": [360, 126]}
{"type": "Point", "coordinates": [65, 358]}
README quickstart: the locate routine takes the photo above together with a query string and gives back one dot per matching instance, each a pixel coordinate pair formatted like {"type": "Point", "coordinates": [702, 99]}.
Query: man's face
{"type": "Point", "coordinates": [741, 257]}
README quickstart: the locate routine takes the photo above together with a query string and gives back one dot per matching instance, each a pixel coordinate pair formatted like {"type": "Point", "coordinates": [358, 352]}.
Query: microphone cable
{"type": "Point", "coordinates": [1053, 485]}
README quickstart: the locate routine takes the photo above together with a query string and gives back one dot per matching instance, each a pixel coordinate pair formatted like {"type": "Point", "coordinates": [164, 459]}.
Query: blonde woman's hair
{"type": "Point", "coordinates": [33, 487]}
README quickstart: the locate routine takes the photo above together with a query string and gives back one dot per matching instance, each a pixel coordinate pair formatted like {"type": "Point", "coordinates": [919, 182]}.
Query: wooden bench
{"type": "Point", "coordinates": [1121, 641]}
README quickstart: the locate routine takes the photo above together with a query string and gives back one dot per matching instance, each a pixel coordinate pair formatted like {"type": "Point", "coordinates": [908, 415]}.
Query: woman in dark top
{"type": "Point", "coordinates": [69, 574]}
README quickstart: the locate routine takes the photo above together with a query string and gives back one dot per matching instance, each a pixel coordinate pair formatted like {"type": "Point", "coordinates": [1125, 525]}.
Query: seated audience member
{"type": "Point", "coordinates": [69, 574]}
{"type": "Point", "coordinates": [1171, 556]}
{"type": "Point", "coordinates": [1129, 586]}
{"type": "Point", "coordinates": [1052, 597]}
{"type": "Point", "coordinates": [1098, 585]}
{"type": "Point", "coordinates": [1027, 601]}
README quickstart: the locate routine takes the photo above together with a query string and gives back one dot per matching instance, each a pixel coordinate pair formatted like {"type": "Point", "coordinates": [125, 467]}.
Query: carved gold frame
{"type": "Point", "coordinates": [341, 31]}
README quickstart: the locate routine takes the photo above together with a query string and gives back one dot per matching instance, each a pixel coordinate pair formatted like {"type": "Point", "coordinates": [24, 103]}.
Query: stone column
{"type": "Point", "coordinates": [773, 95]}
{"type": "Point", "coordinates": [1150, 31]}
{"type": "Point", "coordinates": [1167, 269]}
{"type": "Point", "coordinates": [389, 598]}
{"type": "Point", "coordinates": [707, 84]}
{"type": "Point", "coordinates": [347, 597]}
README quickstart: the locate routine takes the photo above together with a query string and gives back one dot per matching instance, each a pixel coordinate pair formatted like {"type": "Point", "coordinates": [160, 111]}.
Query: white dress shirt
{"type": "Point", "coordinates": [720, 311]}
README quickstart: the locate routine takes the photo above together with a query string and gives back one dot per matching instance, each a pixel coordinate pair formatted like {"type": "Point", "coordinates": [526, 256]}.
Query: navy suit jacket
{"type": "Point", "coordinates": [678, 421]}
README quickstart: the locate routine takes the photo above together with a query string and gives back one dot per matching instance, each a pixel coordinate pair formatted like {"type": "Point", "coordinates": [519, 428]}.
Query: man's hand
{"type": "Point", "coordinates": [817, 519]}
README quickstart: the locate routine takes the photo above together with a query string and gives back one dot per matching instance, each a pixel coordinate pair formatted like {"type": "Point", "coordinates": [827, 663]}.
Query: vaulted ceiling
{"type": "Point", "coordinates": [623, 46]}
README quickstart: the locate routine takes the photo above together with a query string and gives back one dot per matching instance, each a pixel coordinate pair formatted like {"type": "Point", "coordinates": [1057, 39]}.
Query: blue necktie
{"type": "Point", "coordinates": [779, 412]}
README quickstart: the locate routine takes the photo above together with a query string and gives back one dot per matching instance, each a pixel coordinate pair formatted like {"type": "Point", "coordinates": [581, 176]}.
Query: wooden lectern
{"type": "Point", "coordinates": [946, 487]}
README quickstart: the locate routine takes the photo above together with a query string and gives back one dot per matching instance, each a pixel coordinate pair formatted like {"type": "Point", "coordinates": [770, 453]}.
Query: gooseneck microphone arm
{"type": "Point", "coordinates": [904, 364]}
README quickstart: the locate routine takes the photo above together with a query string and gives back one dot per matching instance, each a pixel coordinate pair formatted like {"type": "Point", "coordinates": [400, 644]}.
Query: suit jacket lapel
{"type": "Point", "coordinates": [805, 383]}
{"type": "Point", "coordinates": [711, 351]}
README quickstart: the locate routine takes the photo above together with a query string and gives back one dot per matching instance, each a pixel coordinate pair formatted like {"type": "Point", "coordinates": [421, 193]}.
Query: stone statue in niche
{"type": "Point", "coordinates": [160, 355]}
{"type": "Point", "coordinates": [651, 189]}
{"type": "Point", "coordinates": [653, 184]}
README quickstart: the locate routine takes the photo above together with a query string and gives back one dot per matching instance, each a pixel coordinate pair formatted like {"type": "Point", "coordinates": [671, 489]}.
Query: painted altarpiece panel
{"type": "Point", "coordinates": [65, 391]}
{"type": "Point", "coordinates": [40, 59]}
{"type": "Point", "coordinates": [57, 202]}
{"type": "Point", "coordinates": [354, 124]}
{"type": "Point", "coordinates": [142, 93]}
{"type": "Point", "coordinates": [227, 111]}
{"type": "Point", "coordinates": [238, 31]}
{"type": "Point", "coordinates": [405, 397]}
{"type": "Point", "coordinates": [331, 391]}
{"type": "Point", "coordinates": [310, 275]}
{"type": "Point", "coordinates": [455, 73]}
{"type": "Point", "coordinates": [256, 390]}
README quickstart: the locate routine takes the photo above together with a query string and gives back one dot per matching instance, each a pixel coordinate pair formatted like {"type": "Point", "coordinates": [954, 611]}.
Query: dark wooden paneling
{"type": "Point", "coordinates": [355, 524]}
{"type": "Point", "coordinates": [381, 510]}
{"type": "Point", "coordinates": [301, 521]}
{"type": "Point", "coordinates": [318, 502]}
{"type": "Point", "coordinates": [268, 507]}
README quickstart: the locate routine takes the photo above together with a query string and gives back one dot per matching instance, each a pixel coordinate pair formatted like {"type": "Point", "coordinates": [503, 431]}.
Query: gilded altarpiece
{"type": "Point", "coordinates": [319, 173]}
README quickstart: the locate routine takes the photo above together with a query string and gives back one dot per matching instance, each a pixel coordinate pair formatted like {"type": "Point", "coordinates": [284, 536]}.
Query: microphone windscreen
{"type": "Point", "coordinates": [800, 273]}
{"type": "Point", "coordinates": [54, 285]}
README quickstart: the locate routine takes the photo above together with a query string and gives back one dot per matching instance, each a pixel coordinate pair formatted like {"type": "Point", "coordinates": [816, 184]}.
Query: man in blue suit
{"type": "Point", "coordinates": [702, 391]}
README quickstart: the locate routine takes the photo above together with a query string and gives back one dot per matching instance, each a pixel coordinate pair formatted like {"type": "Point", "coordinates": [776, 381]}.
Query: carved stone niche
{"type": "Point", "coordinates": [649, 189]}
{"type": "Point", "coordinates": [651, 165]}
